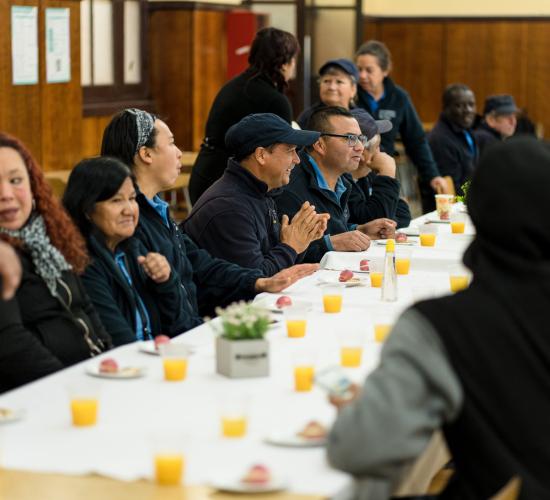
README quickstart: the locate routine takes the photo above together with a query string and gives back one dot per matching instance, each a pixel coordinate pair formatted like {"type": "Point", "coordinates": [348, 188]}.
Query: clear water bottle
{"type": "Point", "coordinates": [389, 281]}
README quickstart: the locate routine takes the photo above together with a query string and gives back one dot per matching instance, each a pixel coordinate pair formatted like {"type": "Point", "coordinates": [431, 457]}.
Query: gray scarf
{"type": "Point", "coordinates": [145, 123]}
{"type": "Point", "coordinates": [48, 261]}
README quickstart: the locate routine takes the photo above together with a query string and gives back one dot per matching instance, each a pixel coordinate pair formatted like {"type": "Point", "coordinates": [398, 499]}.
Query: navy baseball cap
{"type": "Point", "coordinates": [368, 125]}
{"type": "Point", "coordinates": [503, 104]}
{"type": "Point", "coordinates": [262, 130]}
{"type": "Point", "coordinates": [345, 65]}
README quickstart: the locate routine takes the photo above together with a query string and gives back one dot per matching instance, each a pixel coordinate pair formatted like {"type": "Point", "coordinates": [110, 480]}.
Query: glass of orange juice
{"type": "Point", "coordinates": [84, 403]}
{"type": "Point", "coordinates": [233, 415]}
{"type": "Point", "coordinates": [168, 459]}
{"type": "Point", "coordinates": [304, 370]}
{"type": "Point", "coordinates": [174, 361]}
{"type": "Point", "coordinates": [382, 324]}
{"type": "Point", "coordinates": [351, 347]}
{"type": "Point", "coordinates": [332, 297]}
{"type": "Point", "coordinates": [402, 260]}
{"type": "Point", "coordinates": [458, 223]}
{"type": "Point", "coordinates": [459, 278]}
{"type": "Point", "coordinates": [428, 233]}
{"type": "Point", "coordinates": [296, 320]}
{"type": "Point", "coordinates": [376, 272]}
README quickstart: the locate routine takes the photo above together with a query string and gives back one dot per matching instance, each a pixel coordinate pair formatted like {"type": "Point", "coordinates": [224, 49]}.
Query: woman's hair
{"type": "Point", "coordinates": [62, 232]}
{"type": "Point", "coordinates": [91, 181]}
{"type": "Point", "coordinates": [378, 50]}
{"type": "Point", "coordinates": [271, 49]}
{"type": "Point", "coordinates": [120, 137]}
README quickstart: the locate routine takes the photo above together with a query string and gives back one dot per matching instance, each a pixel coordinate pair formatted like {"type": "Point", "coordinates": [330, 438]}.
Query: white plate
{"type": "Point", "coordinates": [269, 304]}
{"type": "Point", "coordinates": [148, 347]}
{"type": "Point", "coordinates": [332, 280]}
{"type": "Point", "coordinates": [237, 486]}
{"type": "Point", "coordinates": [399, 243]}
{"type": "Point", "coordinates": [123, 373]}
{"type": "Point", "coordinates": [9, 415]}
{"type": "Point", "coordinates": [435, 220]}
{"type": "Point", "coordinates": [294, 441]}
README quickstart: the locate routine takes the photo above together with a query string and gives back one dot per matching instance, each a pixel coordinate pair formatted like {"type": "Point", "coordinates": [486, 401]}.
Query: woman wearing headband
{"type": "Point", "coordinates": [146, 145]}
{"type": "Point", "coordinates": [259, 89]}
{"type": "Point", "coordinates": [51, 323]}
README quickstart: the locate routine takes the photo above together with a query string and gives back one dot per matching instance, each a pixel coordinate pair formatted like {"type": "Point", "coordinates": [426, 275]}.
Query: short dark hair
{"type": "Point", "coordinates": [451, 90]}
{"type": "Point", "coordinates": [120, 137]}
{"type": "Point", "coordinates": [91, 181]}
{"type": "Point", "coordinates": [271, 48]}
{"type": "Point", "coordinates": [378, 50]}
{"type": "Point", "coordinates": [319, 121]}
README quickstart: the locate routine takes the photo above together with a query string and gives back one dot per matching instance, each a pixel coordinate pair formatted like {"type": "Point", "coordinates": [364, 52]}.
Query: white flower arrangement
{"type": "Point", "coordinates": [243, 321]}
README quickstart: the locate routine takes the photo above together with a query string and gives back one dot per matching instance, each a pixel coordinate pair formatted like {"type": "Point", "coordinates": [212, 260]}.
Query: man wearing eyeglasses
{"type": "Point", "coordinates": [322, 178]}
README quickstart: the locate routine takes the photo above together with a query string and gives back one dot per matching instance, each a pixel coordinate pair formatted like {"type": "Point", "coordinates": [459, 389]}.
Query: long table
{"type": "Point", "coordinates": [133, 411]}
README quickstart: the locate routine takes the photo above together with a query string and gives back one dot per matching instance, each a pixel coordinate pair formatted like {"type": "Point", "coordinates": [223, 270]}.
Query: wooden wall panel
{"type": "Point", "coordinates": [538, 73]}
{"type": "Point", "coordinates": [209, 66]}
{"type": "Point", "coordinates": [92, 133]}
{"type": "Point", "coordinates": [61, 103]}
{"type": "Point", "coordinates": [490, 55]}
{"type": "Point", "coordinates": [171, 64]}
{"type": "Point", "coordinates": [20, 113]}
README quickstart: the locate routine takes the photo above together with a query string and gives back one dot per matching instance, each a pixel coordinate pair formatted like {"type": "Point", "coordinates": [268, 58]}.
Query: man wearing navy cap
{"type": "Point", "coordinates": [236, 218]}
{"type": "Point", "coordinates": [499, 120]}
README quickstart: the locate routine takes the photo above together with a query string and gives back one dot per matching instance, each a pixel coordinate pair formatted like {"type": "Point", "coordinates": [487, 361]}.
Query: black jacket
{"type": "Point", "coordinates": [303, 186]}
{"type": "Point", "coordinates": [396, 106]}
{"type": "Point", "coordinates": [452, 152]}
{"type": "Point", "coordinates": [40, 334]}
{"type": "Point", "coordinates": [206, 282]}
{"type": "Point", "coordinates": [380, 195]}
{"type": "Point", "coordinates": [236, 220]}
{"type": "Point", "coordinates": [241, 96]}
{"type": "Point", "coordinates": [486, 135]}
{"type": "Point", "coordinates": [117, 302]}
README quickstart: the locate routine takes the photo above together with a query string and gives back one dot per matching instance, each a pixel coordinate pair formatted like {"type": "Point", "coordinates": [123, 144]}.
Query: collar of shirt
{"type": "Point", "coordinates": [340, 187]}
{"type": "Point", "coordinates": [160, 206]}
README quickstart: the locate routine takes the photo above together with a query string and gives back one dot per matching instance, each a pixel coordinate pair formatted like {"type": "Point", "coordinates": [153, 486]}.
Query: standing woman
{"type": "Point", "coordinates": [384, 100]}
{"type": "Point", "coordinates": [259, 89]}
{"type": "Point", "coordinates": [50, 323]}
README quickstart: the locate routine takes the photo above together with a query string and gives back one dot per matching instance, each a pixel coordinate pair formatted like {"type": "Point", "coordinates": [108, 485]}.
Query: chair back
{"type": "Point", "coordinates": [510, 490]}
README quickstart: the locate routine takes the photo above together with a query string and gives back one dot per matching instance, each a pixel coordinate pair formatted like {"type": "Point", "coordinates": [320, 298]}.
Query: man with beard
{"type": "Point", "coordinates": [452, 142]}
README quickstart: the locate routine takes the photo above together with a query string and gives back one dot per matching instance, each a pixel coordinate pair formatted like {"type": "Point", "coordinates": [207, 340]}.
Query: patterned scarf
{"type": "Point", "coordinates": [145, 123]}
{"type": "Point", "coordinates": [48, 261]}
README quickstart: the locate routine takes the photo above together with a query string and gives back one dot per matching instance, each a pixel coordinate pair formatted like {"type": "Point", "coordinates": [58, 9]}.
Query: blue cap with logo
{"type": "Point", "coordinates": [263, 130]}
{"type": "Point", "coordinates": [345, 65]}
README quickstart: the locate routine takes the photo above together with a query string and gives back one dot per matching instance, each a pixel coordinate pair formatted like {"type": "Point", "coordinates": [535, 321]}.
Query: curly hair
{"type": "Point", "coordinates": [271, 49]}
{"type": "Point", "coordinates": [61, 230]}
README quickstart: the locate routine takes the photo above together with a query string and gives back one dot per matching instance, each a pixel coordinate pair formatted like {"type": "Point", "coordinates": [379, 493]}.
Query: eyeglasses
{"type": "Point", "coordinates": [353, 139]}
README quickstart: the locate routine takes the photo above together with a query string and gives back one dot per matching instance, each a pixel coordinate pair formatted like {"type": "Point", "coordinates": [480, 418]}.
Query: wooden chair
{"type": "Point", "coordinates": [510, 491]}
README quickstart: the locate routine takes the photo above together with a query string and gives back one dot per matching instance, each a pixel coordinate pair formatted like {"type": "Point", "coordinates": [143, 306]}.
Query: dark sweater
{"type": "Point", "coordinates": [40, 334]}
{"type": "Point", "coordinates": [452, 152]}
{"type": "Point", "coordinates": [303, 187]}
{"type": "Point", "coordinates": [116, 300]}
{"type": "Point", "coordinates": [207, 282]}
{"type": "Point", "coordinates": [241, 96]}
{"type": "Point", "coordinates": [485, 135]}
{"type": "Point", "coordinates": [236, 220]}
{"type": "Point", "coordinates": [396, 106]}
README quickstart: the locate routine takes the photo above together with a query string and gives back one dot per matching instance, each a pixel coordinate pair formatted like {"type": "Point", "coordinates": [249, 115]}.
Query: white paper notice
{"type": "Point", "coordinates": [58, 46]}
{"type": "Point", "coordinates": [24, 45]}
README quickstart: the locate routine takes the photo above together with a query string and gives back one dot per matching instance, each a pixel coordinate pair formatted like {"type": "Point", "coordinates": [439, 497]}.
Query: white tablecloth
{"type": "Point", "coordinates": [132, 412]}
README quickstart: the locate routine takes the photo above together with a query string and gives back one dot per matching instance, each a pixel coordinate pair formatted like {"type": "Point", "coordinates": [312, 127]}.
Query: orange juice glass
{"type": "Point", "coordinates": [234, 426]}
{"type": "Point", "coordinates": [376, 272]}
{"type": "Point", "coordinates": [169, 468]}
{"type": "Point", "coordinates": [174, 361]}
{"type": "Point", "coordinates": [458, 223]}
{"type": "Point", "coordinates": [303, 377]}
{"type": "Point", "coordinates": [428, 234]}
{"type": "Point", "coordinates": [350, 357]}
{"type": "Point", "coordinates": [84, 411]}
{"type": "Point", "coordinates": [403, 260]}
{"type": "Point", "coordinates": [296, 321]}
{"type": "Point", "coordinates": [381, 331]}
{"type": "Point", "coordinates": [332, 298]}
{"type": "Point", "coordinates": [458, 282]}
